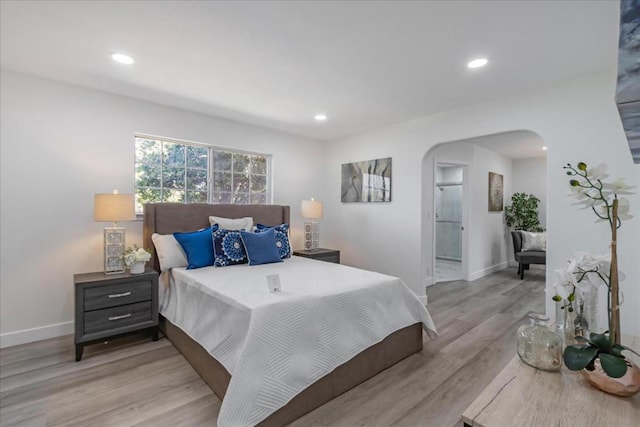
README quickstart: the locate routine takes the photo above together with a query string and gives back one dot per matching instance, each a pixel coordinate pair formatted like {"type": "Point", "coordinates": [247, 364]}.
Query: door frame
{"type": "Point", "coordinates": [465, 200]}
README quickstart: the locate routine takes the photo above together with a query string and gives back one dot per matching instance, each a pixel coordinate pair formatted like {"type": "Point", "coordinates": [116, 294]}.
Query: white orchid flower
{"type": "Point", "coordinates": [589, 261]}
{"type": "Point", "coordinates": [618, 187]}
{"type": "Point", "coordinates": [564, 282]}
{"type": "Point", "coordinates": [598, 172]}
{"type": "Point", "coordinates": [623, 209]}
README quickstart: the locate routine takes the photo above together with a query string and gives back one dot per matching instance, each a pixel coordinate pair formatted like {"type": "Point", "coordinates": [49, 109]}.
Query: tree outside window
{"type": "Point", "coordinates": [168, 171]}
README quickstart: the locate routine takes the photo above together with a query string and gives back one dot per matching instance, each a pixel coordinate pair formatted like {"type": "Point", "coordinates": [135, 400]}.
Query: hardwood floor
{"type": "Point", "coordinates": [135, 382]}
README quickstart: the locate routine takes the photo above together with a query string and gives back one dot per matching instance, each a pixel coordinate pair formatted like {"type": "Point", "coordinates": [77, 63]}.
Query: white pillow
{"type": "Point", "coordinates": [534, 241]}
{"type": "Point", "coordinates": [170, 253]}
{"type": "Point", "coordinates": [245, 223]}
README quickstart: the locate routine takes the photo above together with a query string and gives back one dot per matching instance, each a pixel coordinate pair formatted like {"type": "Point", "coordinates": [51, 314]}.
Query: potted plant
{"type": "Point", "coordinates": [600, 356]}
{"type": "Point", "coordinates": [522, 214]}
{"type": "Point", "coordinates": [135, 258]}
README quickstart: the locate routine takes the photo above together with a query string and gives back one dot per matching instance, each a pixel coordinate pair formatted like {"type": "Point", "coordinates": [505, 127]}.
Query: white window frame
{"type": "Point", "coordinates": [210, 166]}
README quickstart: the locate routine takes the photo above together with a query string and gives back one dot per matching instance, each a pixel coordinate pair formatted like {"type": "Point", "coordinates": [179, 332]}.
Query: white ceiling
{"type": "Point", "coordinates": [276, 64]}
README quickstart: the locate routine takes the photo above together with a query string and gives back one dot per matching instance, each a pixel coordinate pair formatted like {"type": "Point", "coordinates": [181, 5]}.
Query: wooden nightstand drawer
{"type": "Point", "coordinates": [117, 317]}
{"type": "Point", "coordinates": [115, 295]}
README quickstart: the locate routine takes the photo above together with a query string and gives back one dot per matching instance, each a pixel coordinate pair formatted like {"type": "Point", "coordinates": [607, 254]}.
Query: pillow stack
{"type": "Point", "coordinates": [227, 242]}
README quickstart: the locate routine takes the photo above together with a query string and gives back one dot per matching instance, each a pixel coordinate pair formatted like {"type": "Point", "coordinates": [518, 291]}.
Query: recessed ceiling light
{"type": "Point", "coordinates": [477, 63]}
{"type": "Point", "coordinates": [122, 58]}
{"type": "Point", "coordinates": [321, 117]}
{"type": "Point", "coordinates": [544, 148]}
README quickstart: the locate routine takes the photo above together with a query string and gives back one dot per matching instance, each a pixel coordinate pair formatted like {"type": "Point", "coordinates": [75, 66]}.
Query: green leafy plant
{"type": "Point", "coordinates": [522, 214]}
{"type": "Point", "coordinates": [582, 356]}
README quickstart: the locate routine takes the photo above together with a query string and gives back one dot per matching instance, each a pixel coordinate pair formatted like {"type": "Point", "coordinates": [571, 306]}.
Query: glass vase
{"type": "Point", "coordinates": [538, 345]}
{"type": "Point", "coordinates": [590, 300]}
{"type": "Point", "coordinates": [559, 323]}
{"type": "Point", "coordinates": [569, 326]}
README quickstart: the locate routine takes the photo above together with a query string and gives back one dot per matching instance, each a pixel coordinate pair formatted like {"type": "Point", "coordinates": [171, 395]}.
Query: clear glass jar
{"type": "Point", "coordinates": [538, 345]}
{"type": "Point", "coordinates": [569, 326]}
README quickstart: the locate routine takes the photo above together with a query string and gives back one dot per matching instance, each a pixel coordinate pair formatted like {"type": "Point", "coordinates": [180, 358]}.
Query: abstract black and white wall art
{"type": "Point", "coordinates": [628, 89]}
{"type": "Point", "coordinates": [368, 181]}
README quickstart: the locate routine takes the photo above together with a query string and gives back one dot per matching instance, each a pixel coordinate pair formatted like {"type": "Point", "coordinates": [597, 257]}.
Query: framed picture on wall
{"type": "Point", "coordinates": [368, 181]}
{"type": "Point", "coordinates": [496, 192]}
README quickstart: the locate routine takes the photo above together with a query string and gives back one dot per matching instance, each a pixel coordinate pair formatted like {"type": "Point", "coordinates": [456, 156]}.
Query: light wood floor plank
{"type": "Point", "coordinates": [135, 382]}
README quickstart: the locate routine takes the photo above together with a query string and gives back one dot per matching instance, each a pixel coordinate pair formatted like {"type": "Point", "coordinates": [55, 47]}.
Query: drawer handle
{"type": "Point", "coordinates": [124, 294]}
{"type": "Point", "coordinates": [124, 316]}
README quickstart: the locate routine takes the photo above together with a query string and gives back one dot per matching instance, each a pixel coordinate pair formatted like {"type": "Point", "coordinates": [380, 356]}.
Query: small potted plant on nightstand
{"type": "Point", "coordinates": [135, 258]}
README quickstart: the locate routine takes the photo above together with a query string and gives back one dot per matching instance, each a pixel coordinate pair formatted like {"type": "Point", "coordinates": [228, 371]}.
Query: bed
{"type": "Point", "coordinates": [167, 218]}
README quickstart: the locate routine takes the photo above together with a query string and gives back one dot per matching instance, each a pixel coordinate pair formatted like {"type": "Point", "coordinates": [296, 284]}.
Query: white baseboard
{"type": "Point", "coordinates": [424, 299]}
{"type": "Point", "coordinates": [24, 336]}
{"type": "Point", "coordinates": [429, 281]}
{"type": "Point", "coordinates": [485, 272]}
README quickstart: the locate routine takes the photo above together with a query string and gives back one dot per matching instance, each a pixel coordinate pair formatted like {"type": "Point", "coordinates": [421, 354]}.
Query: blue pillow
{"type": "Point", "coordinates": [198, 247]}
{"type": "Point", "coordinates": [282, 238]}
{"type": "Point", "coordinates": [228, 248]}
{"type": "Point", "coordinates": [261, 247]}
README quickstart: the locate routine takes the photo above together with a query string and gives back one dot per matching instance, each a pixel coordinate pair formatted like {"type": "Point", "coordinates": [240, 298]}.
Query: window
{"type": "Point", "coordinates": [180, 172]}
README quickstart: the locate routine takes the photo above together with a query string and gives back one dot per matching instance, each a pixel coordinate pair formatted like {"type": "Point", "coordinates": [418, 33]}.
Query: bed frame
{"type": "Point", "coordinates": [166, 218]}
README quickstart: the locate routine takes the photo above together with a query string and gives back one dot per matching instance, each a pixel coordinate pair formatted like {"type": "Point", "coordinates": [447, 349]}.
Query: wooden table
{"type": "Point", "coordinates": [523, 396]}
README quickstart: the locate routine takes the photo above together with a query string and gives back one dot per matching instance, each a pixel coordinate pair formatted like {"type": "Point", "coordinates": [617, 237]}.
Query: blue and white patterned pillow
{"type": "Point", "coordinates": [228, 248]}
{"type": "Point", "coordinates": [282, 238]}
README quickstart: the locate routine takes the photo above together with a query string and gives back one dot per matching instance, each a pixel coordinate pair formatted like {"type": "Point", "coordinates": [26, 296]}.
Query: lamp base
{"type": "Point", "coordinates": [311, 235]}
{"type": "Point", "coordinates": [114, 238]}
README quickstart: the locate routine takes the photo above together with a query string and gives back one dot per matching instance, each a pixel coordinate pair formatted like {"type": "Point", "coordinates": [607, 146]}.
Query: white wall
{"type": "Point", "coordinates": [485, 237]}
{"type": "Point", "coordinates": [60, 144]}
{"type": "Point", "coordinates": [489, 240]}
{"type": "Point", "coordinates": [530, 176]}
{"type": "Point", "coordinates": [578, 121]}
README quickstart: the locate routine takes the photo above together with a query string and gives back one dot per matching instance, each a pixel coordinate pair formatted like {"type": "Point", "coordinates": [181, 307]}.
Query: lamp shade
{"type": "Point", "coordinates": [311, 209]}
{"type": "Point", "coordinates": [113, 207]}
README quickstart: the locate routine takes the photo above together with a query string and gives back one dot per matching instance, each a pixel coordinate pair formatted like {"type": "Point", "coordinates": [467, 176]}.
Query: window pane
{"type": "Point", "coordinates": [173, 196]}
{"type": "Point", "coordinates": [258, 198]}
{"type": "Point", "coordinates": [173, 154]}
{"type": "Point", "coordinates": [221, 197]}
{"type": "Point", "coordinates": [259, 165]}
{"type": "Point", "coordinates": [222, 181]}
{"type": "Point", "coordinates": [148, 151]}
{"type": "Point", "coordinates": [146, 195]}
{"type": "Point", "coordinates": [241, 162]}
{"type": "Point", "coordinates": [259, 183]}
{"type": "Point", "coordinates": [147, 175]}
{"type": "Point", "coordinates": [240, 183]}
{"type": "Point", "coordinates": [221, 161]}
{"type": "Point", "coordinates": [197, 179]}
{"type": "Point", "coordinates": [197, 157]}
{"type": "Point", "coordinates": [240, 198]}
{"type": "Point", "coordinates": [180, 173]}
{"type": "Point", "coordinates": [197, 197]}
{"type": "Point", "coordinates": [173, 177]}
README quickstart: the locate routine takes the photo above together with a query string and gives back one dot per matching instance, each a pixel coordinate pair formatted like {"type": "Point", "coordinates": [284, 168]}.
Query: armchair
{"type": "Point", "coordinates": [525, 258]}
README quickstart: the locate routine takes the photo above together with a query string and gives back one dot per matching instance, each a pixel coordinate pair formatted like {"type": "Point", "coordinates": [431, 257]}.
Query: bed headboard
{"type": "Point", "coordinates": [168, 218]}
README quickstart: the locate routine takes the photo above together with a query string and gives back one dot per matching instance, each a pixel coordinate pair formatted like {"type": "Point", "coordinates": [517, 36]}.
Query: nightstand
{"type": "Point", "coordinates": [321, 254]}
{"type": "Point", "coordinates": [108, 305]}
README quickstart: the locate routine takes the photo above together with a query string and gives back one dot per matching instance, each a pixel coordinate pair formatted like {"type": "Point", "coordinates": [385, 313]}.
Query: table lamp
{"type": "Point", "coordinates": [311, 211]}
{"type": "Point", "coordinates": [114, 207]}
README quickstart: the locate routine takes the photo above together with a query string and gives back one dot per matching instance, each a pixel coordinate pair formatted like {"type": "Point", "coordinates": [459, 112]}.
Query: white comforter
{"type": "Point", "coordinates": [277, 344]}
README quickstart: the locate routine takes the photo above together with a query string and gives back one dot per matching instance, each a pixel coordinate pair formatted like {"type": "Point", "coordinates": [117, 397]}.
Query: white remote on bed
{"type": "Point", "coordinates": [273, 282]}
